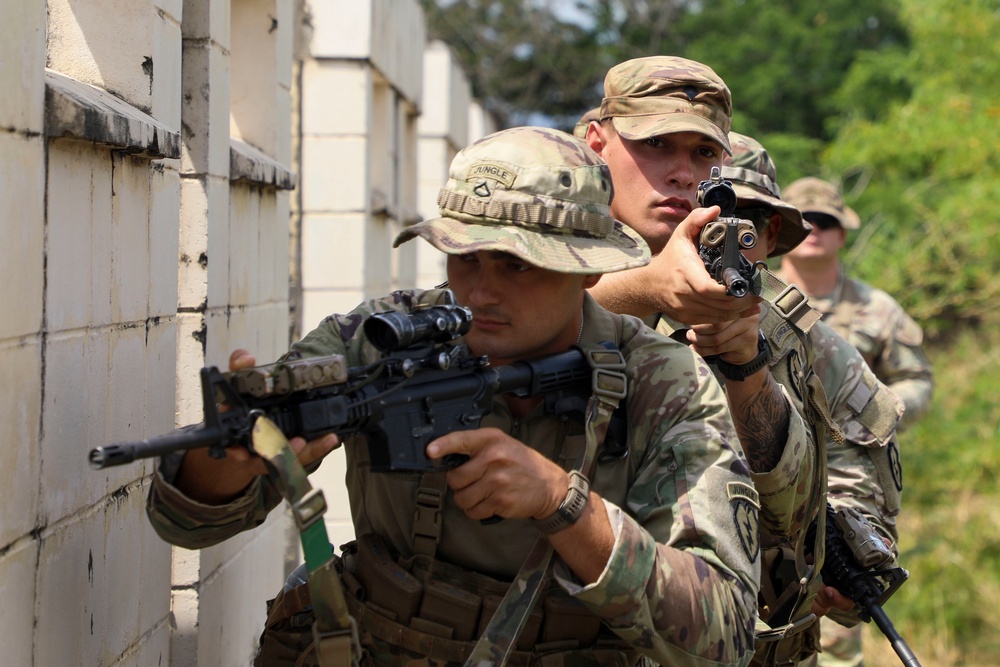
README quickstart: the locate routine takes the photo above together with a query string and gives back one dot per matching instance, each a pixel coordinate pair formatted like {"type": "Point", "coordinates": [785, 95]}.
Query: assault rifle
{"type": "Point", "coordinates": [860, 565]}
{"type": "Point", "coordinates": [424, 387]}
{"type": "Point", "coordinates": [721, 240]}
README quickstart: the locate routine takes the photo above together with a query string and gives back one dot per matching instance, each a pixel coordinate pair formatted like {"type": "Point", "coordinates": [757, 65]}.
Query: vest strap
{"type": "Point", "coordinates": [335, 634]}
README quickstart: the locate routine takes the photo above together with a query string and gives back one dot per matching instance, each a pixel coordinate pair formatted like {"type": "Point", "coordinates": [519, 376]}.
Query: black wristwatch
{"type": "Point", "coordinates": [570, 508]}
{"type": "Point", "coordinates": [740, 372]}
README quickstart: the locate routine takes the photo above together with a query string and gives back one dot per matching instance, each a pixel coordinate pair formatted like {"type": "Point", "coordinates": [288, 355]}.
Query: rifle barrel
{"type": "Point", "coordinates": [899, 644]}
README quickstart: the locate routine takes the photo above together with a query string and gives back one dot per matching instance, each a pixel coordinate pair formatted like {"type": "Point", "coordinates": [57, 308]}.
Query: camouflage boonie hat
{"type": "Point", "coordinates": [580, 130]}
{"type": "Point", "coordinates": [539, 194]}
{"type": "Point", "coordinates": [754, 178]}
{"type": "Point", "coordinates": [648, 97]}
{"type": "Point", "coordinates": [814, 195]}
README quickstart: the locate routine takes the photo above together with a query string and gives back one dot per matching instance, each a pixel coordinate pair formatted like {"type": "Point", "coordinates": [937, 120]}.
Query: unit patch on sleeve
{"type": "Point", "coordinates": [745, 502]}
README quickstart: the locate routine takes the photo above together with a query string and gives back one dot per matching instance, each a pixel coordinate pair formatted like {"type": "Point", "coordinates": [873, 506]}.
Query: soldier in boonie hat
{"type": "Point", "coordinates": [652, 96]}
{"type": "Point", "coordinates": [815, 196]}
{"type": "Point", "coordinates": [538, 194]}
{"type": "Point", "coordinates": [754, 178]}
{"type": "Point", "coordinates": [580, 129]}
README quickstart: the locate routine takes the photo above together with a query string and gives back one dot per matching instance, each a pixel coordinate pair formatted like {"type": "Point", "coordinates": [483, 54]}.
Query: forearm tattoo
{"type": "Point", "coordinates": [762, 425]}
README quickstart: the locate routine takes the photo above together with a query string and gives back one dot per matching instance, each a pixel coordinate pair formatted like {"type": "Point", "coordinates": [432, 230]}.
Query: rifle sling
{"type": "Point", "coordinates": [608, 386]}
{"type": "Point", "coordinates": [335, 633]}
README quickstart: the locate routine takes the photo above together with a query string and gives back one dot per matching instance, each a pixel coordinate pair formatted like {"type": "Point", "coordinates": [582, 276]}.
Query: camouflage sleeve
{"type": "Point", "coordinates": [682, 580]}
{"type": "Point", "coordinates": [785, 490]}
{"type": "Point", "coordinates": [182, 521]}
{"type": "Point", "coordinates": [186, 523]}
{"type": "Point", "coordinates": [904, 367]}
{"type": "Point", "coordinates": [864, 471]}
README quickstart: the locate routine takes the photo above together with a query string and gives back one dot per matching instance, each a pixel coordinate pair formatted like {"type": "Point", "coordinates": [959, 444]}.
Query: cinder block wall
{"type": "Point", "coordinates": [145, 235]}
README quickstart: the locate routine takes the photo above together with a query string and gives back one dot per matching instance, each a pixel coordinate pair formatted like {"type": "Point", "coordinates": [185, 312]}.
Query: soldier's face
{"type": "Point", "coordinates": [823, 243]}
{"type": "Point", "coordinates": [519, 311]}
{"type": "Point", "coordinates": [656, 180]}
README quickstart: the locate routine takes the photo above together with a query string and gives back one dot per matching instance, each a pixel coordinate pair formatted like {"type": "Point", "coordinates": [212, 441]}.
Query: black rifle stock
{"type": "Point", "coordinates": [425, 387]}
{"type": "Point", "coordinates": [860, 566]}
{"type": "Point", "coordinates": [721, 240]}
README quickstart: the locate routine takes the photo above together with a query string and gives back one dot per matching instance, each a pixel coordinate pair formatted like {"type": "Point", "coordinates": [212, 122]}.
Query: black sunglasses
{"type": "Point", "coordinates": [824, 221]}
{"type": "Point", "coordinates": [760, 216]}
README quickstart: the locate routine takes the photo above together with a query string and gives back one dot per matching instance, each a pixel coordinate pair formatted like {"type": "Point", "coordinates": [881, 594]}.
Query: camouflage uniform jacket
{"type": "Point", "coordinates": [682, 580]}
{"type": "Point", "coordinates": [863, 472]}
{"type": "Point", "coordinates": [888, 339]}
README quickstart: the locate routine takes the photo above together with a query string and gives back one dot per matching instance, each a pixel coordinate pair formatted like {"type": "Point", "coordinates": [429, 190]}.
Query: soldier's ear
{"type": "Point", "coordinates": [773, 230]}
{"type": "Point", "coordinates": [596, 137]}
{"type": "Point", "coordinates": [590, 280]}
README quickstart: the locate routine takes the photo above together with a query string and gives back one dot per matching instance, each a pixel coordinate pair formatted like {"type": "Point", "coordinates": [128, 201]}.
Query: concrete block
{"type": "Point", "coordinates": [184, 636]}
{"type": "Point", "coordinates": [341, 29]}
{"type": "Point", "coordinates": [22, 49]}
{"type": "Point", "coordinates": [166, 83]}
{"type": "Point", "coordinates": [244, 224]}
{"type": "Point", "coordinates": [446, 96]}
{"type": "Point", "coordinates": [481, 122]}
{"type": "Point", "coordinates": [164, 233]}
{"type": "Point", "coordinates": [192, 273]}
{"type": "Point", "coordinates": [17, 614]}
{"type": "Point", "coordinates": [130, 233]}
{"type": "Point", "coordinates": [83, 44]}
{"type": "Point", "coordinates": [155, 578]}
{"type": "Point", "coordinates": [20, 402]}
{"type": "Point", "coordinates": [119, 568]}
{"type": "Point", "coordinates": [398, 38]}
{"type": "Point", "coordinates": [325, 86]}
{"type": "Point", "coordinates": [276, 251]}
{"type": "Point", "coordinates": [66, 425]}
{"type": "Point", "coordinates": [284, 12]}
{"type": "Point", "coordinates": [71, 603]}
{"type": "Point", "coordinates": [205, 111]}
{"type": "Point", "coordinates": [253, 73]}
{"type": "Point", "coordinates": [22, 233]}
{"type": "Point", "coordinates": [282, 122]}
{"type": "Point", "coordinates": [317, 304]}
{"type": "Point", "coordinates": [155, 648]}
{"type": "Point", "coordinates": [333, 179]}
{"type": "Point", "coordinates": [431, 266]}
{"type": "Point", "coordinates": [207, 21]}
{"type": "Point", "coordinates": [333, 251]}
{"type": "Point", "coordinates": [191, 335]}
{"type": "Point", "coordinates": [126, 408]}
{"type": "Point", "coordinates": [172, 8]}
{"type": "Point", "coordinates": [271, 231]}
{"type": "Point", "coordinates": [79, 241]}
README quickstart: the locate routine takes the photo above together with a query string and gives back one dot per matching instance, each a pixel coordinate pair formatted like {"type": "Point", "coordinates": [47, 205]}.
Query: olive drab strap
{"type": "Point", "coordinates": [427, 515]}
{"type": "Point", "coordinates": [790, 301]}
{"type": "Point", "coordinates": [608, 387]}
{"type": "Point", "coordinates": [335, 634]}
{"type": "Point", "coordinates": [792, 305]}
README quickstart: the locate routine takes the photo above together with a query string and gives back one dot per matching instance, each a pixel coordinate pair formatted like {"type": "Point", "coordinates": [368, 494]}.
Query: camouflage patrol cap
{"type": "Point", "coordinates": [754, 177]}
{"type": "Point", "coordinates": [648, 97]}
{"type": "Point", "coordinates": [814, 195]}
{"type": "Point", "coordinates": [580, 130]}
{"type": "Point", "coordinates": [539, 194]}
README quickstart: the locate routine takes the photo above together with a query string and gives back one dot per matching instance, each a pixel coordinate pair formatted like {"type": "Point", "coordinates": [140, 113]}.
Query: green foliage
{"type": "Point", "coordinates": [924, 173]}
{"type": "Point", "coordinates": [950, 525]}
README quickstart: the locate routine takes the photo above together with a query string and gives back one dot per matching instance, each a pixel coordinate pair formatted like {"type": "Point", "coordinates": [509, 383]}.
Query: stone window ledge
{"type": "Point", "coordinates": [248, 164]}
{"type": "Point", "coordinates": [80, 111]}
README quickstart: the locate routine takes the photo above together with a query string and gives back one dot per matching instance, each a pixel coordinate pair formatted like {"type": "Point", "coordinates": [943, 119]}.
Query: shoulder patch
{"type": "Point", "coordinates": [745, 502]}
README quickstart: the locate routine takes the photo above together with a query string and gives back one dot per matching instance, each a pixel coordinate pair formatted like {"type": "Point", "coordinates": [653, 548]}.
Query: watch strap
{"type": "Point", "coordinates": [740, 372]}
{"type": "Point", "coordinates": [570, 508]}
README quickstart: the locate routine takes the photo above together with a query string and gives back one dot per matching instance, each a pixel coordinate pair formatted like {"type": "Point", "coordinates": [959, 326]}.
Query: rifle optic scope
{"type": "Point", "coordinates": [393, 331]}
{"type": "Point", "coordinates": [717, 192]}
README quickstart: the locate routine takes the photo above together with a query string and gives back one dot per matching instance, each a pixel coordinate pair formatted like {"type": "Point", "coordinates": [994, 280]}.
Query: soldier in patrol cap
{"type": "Point", "coordinates": [664, 124]}
{"type": "Point", "coordinates": [654, 537]}
{"type": "Point", "coordinates": [873, 322]}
